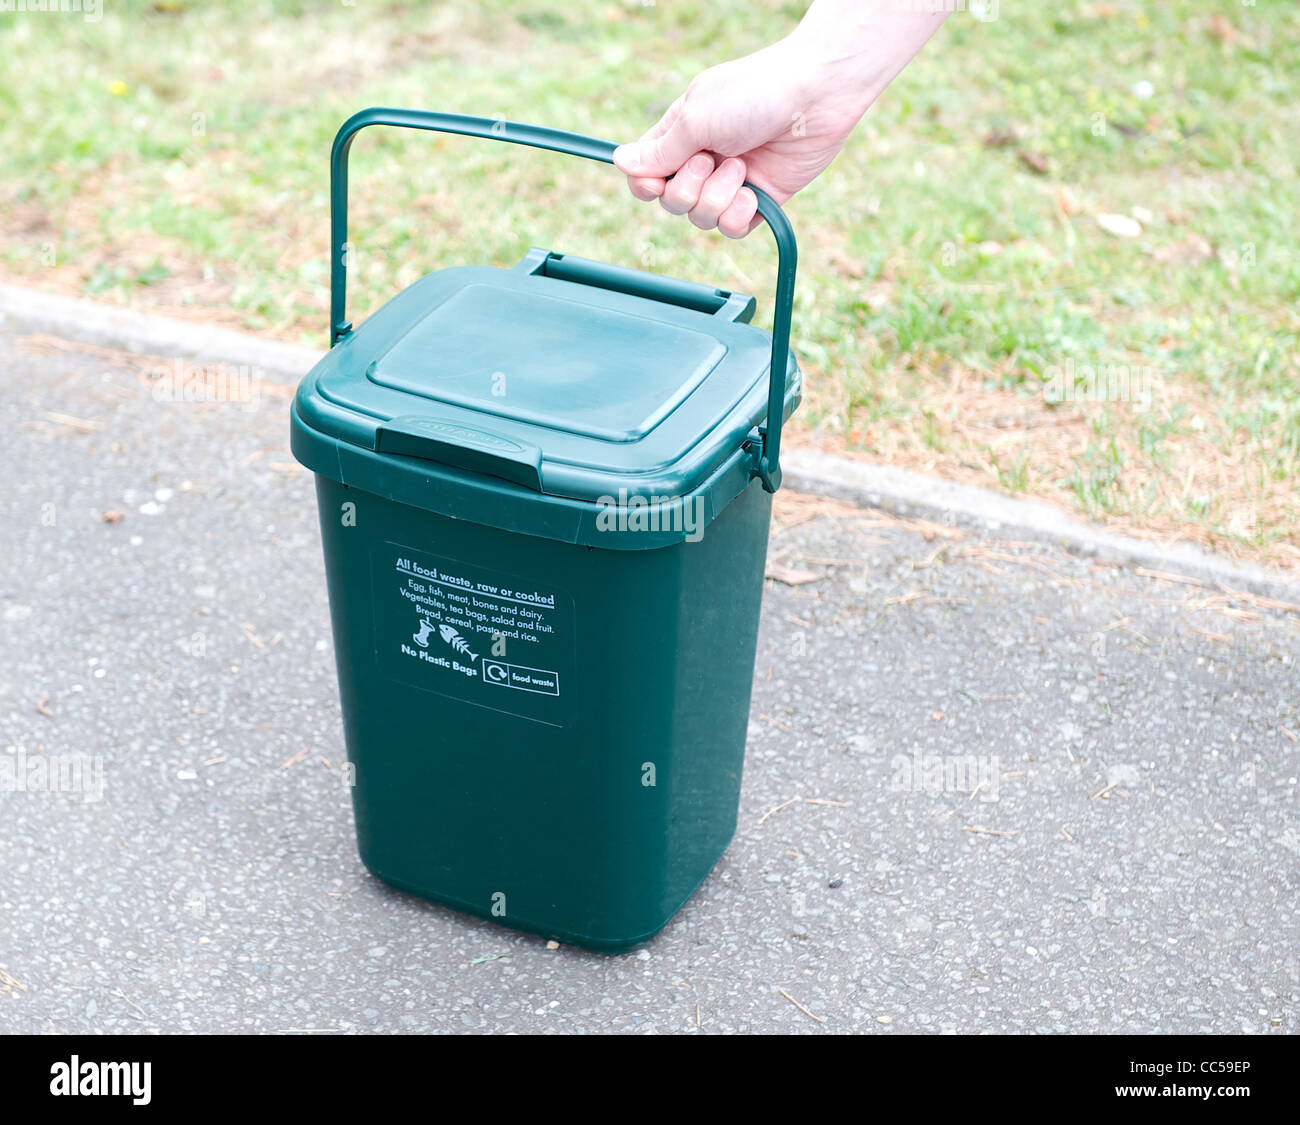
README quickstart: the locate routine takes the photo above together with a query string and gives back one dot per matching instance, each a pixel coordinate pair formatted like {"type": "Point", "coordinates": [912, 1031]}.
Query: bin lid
{"type": "Point", "coordinates": [567, 382]}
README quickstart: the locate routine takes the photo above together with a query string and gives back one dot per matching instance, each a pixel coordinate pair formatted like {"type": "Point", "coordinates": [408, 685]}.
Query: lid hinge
{"type": "Point", "coordinates": [753, 449]}
{"type": "Point", "coordinates": [756, 449]}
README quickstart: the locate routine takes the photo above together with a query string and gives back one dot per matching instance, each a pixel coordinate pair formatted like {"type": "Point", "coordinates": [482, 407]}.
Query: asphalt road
{"type": "Point", "coordinates": [989, 787]}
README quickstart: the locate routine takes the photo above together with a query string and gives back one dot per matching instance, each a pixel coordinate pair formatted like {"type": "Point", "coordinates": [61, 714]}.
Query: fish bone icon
{"type": "Point", "coordinates": [456, 641]}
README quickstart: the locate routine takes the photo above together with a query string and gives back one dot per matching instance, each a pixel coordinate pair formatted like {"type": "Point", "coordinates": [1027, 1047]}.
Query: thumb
{"type": "Point", "coordinates": [658, 153]}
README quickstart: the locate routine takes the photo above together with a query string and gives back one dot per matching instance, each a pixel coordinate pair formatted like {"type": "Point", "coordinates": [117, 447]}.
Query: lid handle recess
{"type": "Point", "coordinates": [590, 148]}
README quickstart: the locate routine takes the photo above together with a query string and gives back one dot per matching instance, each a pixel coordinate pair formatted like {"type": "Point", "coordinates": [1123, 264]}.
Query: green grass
{"type": "Point", "coordinates": [174, 155]}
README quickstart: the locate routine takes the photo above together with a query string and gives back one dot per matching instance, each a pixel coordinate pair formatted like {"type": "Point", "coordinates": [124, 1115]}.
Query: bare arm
{"type": "Point", "coordinates": [777, 117]}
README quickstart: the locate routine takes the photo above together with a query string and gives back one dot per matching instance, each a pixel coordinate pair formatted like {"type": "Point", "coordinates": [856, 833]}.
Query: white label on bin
{"type": "Point", "coordinates": [491, 639]}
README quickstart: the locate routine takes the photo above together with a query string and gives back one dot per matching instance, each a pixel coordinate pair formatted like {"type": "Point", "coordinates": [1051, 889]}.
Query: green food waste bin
{"type": "Point", "coordinates": [544, 497]}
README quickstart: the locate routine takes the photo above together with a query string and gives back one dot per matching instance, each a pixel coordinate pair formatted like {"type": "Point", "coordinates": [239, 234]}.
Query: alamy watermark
{"type": "Point", "coordinates": [986, 11]}
{"type": "Point", "coordinates": [970, 774]}
{"type": "Point", "coordinates": [91, 11]}
{"type": "Point", "coordinates": [78, 1078]}
{"type": "Point", "coordinates": [21, 772]}
{"type": "Point", "coordinates": [651, 513]}
{"type": "Point", "coordinates": [1101, 382]}
{"type": "Point", "coordinates": [179, 381]}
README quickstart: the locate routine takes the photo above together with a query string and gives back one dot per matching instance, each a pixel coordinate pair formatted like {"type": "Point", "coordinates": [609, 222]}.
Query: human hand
{"type": "Point", "coordinates": [777, 117]}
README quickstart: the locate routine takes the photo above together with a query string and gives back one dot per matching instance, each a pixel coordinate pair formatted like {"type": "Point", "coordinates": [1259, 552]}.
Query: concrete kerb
{"type": "Point", "coordinates": [29, 311]}
{"type": "Point", "coordinates": [907, 493]}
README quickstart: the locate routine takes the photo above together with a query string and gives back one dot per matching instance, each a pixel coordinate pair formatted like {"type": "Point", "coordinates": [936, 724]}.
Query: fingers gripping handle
{"type": "Point", "coordinates": [575, 144]}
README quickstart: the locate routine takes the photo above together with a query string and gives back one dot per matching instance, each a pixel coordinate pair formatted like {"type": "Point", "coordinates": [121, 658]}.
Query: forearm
{"type": "Point", "coordinates": [859, 46]}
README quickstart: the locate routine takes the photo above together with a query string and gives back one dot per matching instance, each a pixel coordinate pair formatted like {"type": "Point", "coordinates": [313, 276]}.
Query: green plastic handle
{"type": "Point", "coordinates": [590, 148]}
{"type": "Point", "coordinates": [638, 283]}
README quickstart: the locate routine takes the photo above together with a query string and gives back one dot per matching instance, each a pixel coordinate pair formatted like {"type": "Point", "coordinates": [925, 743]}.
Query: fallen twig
{"type": "Point", "coordinates": [806, 1012]}
{"type": "Point", "coordinates": [778, 808]}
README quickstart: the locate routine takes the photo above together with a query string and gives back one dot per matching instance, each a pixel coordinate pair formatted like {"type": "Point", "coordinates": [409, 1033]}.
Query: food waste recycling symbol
{"type": "Point", "coordinates": [447, 633]}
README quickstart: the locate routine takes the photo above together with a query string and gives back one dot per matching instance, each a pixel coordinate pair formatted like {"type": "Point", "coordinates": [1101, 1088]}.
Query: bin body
{"type": "Point", "coordinates": [544, 510]}
{"type": "Point", "coordinates": [589, 815]}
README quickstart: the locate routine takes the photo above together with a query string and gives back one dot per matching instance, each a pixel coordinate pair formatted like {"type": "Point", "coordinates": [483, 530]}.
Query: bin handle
{"type": "Point", "coordinates": [590, 148]}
